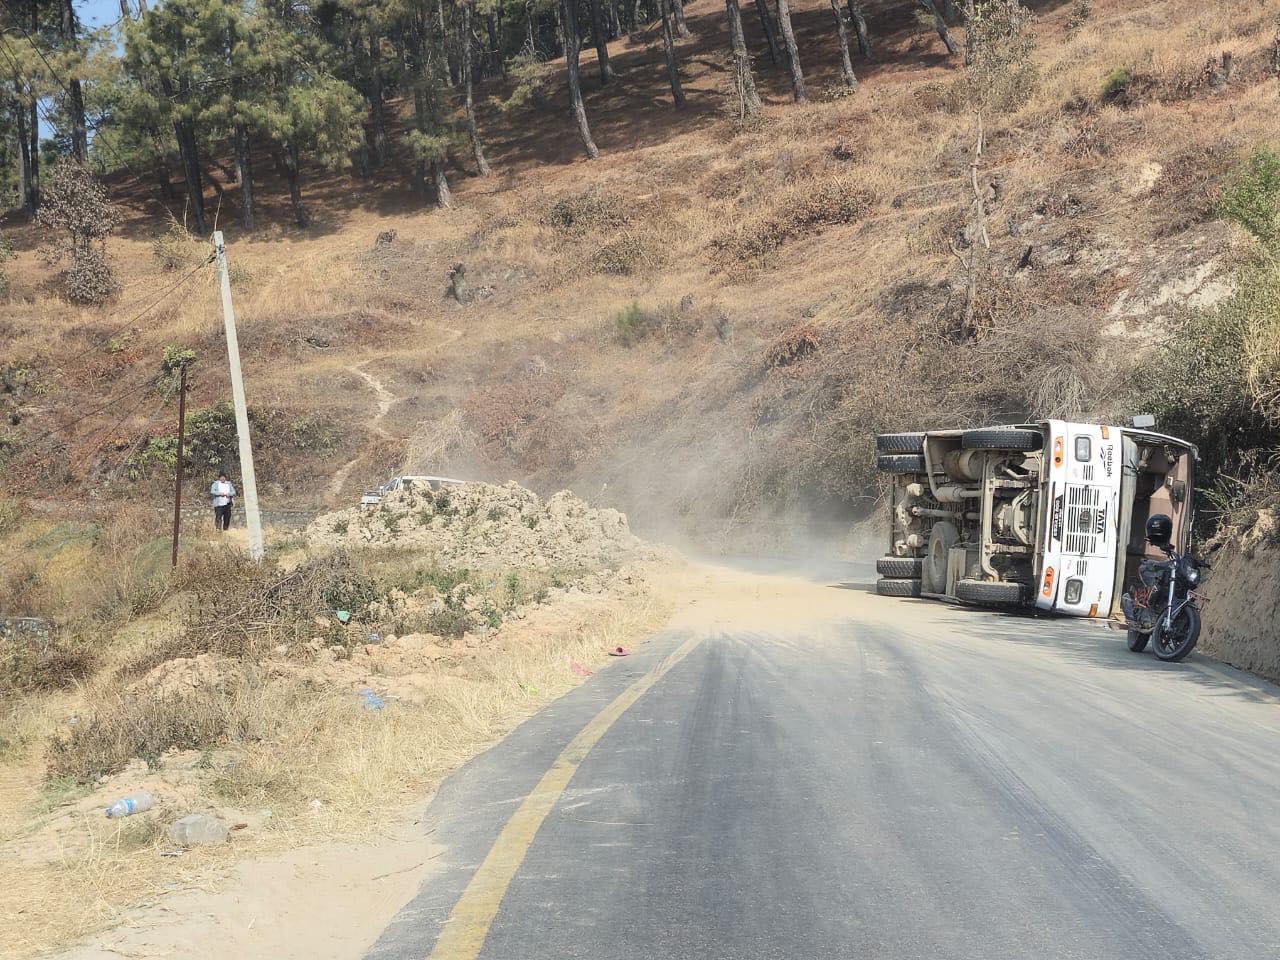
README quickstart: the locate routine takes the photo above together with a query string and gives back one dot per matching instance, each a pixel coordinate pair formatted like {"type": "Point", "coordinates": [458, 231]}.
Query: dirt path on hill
{"type": "Point", "coordinates": [386, 400]}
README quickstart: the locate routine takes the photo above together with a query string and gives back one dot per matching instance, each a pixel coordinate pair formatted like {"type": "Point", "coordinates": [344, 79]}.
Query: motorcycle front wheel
{"type": "Point", "coordinates": [1175, 641]}
{"type": "Point", "coordinates": [1137, 640]}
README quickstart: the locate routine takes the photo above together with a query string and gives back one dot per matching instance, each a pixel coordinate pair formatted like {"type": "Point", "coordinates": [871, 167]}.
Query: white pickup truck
{"type": "Point", "coordinates": [1049, 514]}
{"type": "Point", "coordinates": [371, 498]}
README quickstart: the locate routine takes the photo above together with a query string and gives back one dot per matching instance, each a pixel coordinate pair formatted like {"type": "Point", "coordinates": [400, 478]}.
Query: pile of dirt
{"type": "Point", "coordinates": [485, 527]}
{"type": "Point", "coordinates": [1242, 614]}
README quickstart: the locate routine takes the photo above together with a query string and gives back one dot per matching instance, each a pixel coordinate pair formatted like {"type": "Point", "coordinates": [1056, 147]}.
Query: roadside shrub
{"type": "Point", "coordinates": [1116, 83]}
{"type": "Point", "coordinates": [75, 208]}
{"type": "Point", "coordinates": [6, 254]}
{"type": "Point", "coordinates": [795, 344]}
{"type": "Point", "coordinates": [594, 209]}
{"type": "Point", "coordinates": [30, 661]}
{"type": "Point", "coordinates": [11, 513]}
{"type": "Point", "coordinates": [1251, 197]}
{"type": "Point", "coordinates": [626, 254]}
{"type": "Point", "coordinates": [242, 610]}
{"type": "Point", "coordinates": [1197, 383]}
{"type": "Point", "coordinates": [176, 248]}
{"type": "Point", "coordinates": [802, 211]}
{"type": "Point", "coordinates": [144, 725]}
{"type": "Point", "coordinates": [634, 323]}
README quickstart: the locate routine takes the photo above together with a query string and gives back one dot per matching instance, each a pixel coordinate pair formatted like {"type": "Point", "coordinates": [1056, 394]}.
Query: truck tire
{"type": "Point", "coordinates": [900, 463]}
{"type": "Point", "coordinates": [992, 593]}
{"type": "Point", "coordinates": [942, 537]}
{"type": "Point", "coordinates": [1001, 438]}
{"type": "Point", "coordinates": [887, 587]}
{"type": "Point", "coordinates": [899, 568]}
{"type": "Point", "coordinates": [900, 442]}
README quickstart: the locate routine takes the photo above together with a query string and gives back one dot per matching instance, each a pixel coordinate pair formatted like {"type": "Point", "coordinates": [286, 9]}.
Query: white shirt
{"type": "Point", "coordinates": [222, 491]}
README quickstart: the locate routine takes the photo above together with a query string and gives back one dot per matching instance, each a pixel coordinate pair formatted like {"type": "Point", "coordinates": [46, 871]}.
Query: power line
{"type": "Point", "coordinates": [112, 331]}
{"type": "Point", "coordinates": [17, 22]}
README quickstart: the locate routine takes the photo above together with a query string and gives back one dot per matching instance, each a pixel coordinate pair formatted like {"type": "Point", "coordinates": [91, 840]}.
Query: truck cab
{"type": "Point", "coordinates": [1047, 515]}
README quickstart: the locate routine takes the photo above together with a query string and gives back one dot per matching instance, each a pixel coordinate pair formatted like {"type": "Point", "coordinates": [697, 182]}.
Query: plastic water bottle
{"type": "Point", "coordinates": [370, 700]}
{"type": "Point", "coordinates": [133, 803]}
{"type": "Point", "coordinates": [198, 828]}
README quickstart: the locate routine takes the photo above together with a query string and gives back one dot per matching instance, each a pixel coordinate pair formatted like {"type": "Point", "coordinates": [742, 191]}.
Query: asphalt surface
{"type": "Point", "coordinates": [887, 779]}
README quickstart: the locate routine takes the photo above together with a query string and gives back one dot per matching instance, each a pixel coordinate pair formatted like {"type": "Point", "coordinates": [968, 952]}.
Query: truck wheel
{"type": "Point", "coordinates": [900, 442]}
{"type": "Point", "coordinates": [994, 593]}
{"type": "Point", "coordinates": [899, 568]}
{"type": "Point", "coordinates": [1001, 438]}
{"type": "Point", "coordinates": [897, 588]}
{"type": "Point", "coordinates": [900, 463]}
{"type": "Point", "coordinates": [942, 538]}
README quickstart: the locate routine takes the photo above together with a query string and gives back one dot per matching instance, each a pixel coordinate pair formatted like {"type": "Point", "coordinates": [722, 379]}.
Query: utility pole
{"type": "Point", "coordinates": [177, 470]}
{"type": "Point", "coordinates": [252, 518]}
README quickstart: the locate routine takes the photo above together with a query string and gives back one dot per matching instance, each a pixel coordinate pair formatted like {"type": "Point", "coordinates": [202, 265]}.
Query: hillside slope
{"type": "Point", "coordinates": [706, 326]}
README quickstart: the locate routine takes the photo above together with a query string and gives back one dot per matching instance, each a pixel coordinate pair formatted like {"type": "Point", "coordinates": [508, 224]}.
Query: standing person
{"type": "Point", "coordinates": [223, 495]}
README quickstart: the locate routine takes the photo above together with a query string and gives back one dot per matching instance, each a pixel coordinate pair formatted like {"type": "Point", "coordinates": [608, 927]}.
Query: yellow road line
{"type": "Point", "coordinates": [468, 925]}
{"type": "Point", "coordinates": [1208, 671]}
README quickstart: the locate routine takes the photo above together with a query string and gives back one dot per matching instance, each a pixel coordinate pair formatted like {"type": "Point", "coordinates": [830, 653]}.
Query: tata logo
{"type": "Point", "coordinates": [1100, 521]}
{"type": "Point", "coordinates": [1108, 458]}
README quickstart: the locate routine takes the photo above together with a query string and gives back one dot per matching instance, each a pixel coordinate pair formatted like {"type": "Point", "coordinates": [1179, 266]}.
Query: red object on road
{"type": "Point", "coordinates": [619, 652]}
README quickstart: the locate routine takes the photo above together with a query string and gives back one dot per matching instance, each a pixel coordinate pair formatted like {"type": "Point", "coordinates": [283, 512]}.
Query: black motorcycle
{"type": "Point", "coordinates": [1161, 606]}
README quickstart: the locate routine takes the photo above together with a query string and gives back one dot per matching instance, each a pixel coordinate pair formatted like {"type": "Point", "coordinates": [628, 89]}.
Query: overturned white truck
{"type": "Point", "coordinates": [1050, 514]}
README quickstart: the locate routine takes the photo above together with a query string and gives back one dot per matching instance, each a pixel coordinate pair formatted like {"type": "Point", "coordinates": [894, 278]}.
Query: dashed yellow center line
{"type": "Point", "coordinates": [465, 931]}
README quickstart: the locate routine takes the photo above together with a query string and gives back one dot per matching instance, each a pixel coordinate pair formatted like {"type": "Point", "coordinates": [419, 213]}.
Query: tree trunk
{"type": "Point", "coordinates": [941, 25]}
{"type": "Point", "coordinates": [766, 21]}
{"type": "Point", "coordinates": [860, 27]}
{"type": "Point", "coordinates": [970, 36]}
{"type": "Point", "coordinates": [26, 191]}
{"type": "Point", "coordinates": [377, 102]}
{"type": "Point", "coordinates": [473, 132]}
{"type": "Point", "coordinates": [842, 34]}
{"type": "Point", "coordinates": [744, 84]}
{"type": "Point", "coordinates": [189, 151]}
{"type": "Point", "coordinates": [601, 42]}
{"type": "Point", "coordinates": [75, 97]}
{"type": "Point", "coordinates": [295, 185]}
{"type": "Point", "coordinates": [615, 23]}
{"type": "Point", "coordinates": [494, 61]}
{"type": "Point", "coordinates": [443, 197]}
{"type": "Point", "coordinates": [677, 7]}
{"type": "Point", "coordinates": [244, 170]}
{"type": "Point", "coordinates": [669, 46]}
{"type": "Point", "coordinates": [562, 13]}
{"type": "Point", "coordinates": [793, 52]}
{"type": "Point", "coordinates": [570, 19]}
{"type": "Point", "coordinates": [33, 149]}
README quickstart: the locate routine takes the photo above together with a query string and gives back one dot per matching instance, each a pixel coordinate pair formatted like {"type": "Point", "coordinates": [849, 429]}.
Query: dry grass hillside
{"type": "Point", "coordinates": [707, 324]}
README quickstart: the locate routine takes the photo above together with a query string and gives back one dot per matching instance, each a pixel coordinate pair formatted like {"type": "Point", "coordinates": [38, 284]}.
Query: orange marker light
{"type": "Point", "coordinates": [1048, 582]}
{"type": "Point", "coordinates": [1057, 451]}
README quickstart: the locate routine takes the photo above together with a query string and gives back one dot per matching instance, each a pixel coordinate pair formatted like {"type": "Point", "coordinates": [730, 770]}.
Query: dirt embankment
{"type": "Point", "coordinates": [306, 699]}
{"type": "Point", "coordinates": [1242, 616]}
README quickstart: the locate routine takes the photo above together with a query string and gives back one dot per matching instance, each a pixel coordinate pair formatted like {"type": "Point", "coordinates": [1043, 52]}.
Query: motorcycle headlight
{"type": "Point", "coordinates": [1190, 573]}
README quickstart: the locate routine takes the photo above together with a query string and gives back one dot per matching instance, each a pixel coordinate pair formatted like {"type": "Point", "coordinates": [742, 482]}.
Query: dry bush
{"type": "Point", "coordinates": [628, 253]}
{"type": "Point", "coordinates": [504, 415]}
{"type": "Point", "coordinates": [243, 610]}
{"type": "Point", "coordinates": [795, 344]}
{"type": "Point", "coordinates": [596, 208]}
{"type": "Point", "coordinates": [141, 724]}
{"type": "Point", "coordinates": [802, 211]}
{"type": "Point", "coordinates": [32, 661]}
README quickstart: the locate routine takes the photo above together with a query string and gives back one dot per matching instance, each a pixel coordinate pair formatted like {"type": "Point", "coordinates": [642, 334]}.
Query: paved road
{"type": "Point", "coordinates": [828, 774]}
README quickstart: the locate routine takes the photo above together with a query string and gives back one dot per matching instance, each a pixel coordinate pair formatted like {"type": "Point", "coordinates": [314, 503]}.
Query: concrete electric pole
{"type": "Point", "coordinates": [252, 518]}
